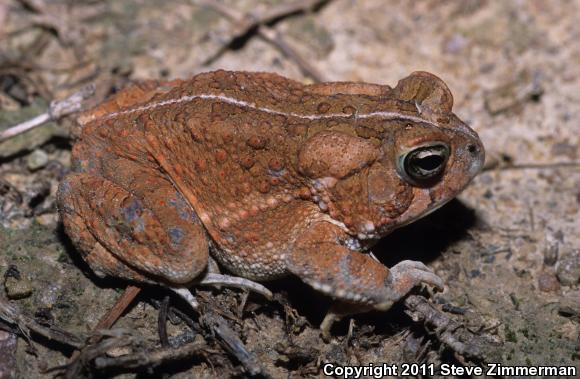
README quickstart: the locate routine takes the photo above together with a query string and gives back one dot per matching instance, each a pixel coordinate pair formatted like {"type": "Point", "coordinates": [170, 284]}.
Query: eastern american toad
{"type": "Point", "coordinates": [269, 176]}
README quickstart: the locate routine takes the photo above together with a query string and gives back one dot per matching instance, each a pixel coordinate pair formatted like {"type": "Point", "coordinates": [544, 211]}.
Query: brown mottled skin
{"type": "Point", "coordinates": [269, 176]}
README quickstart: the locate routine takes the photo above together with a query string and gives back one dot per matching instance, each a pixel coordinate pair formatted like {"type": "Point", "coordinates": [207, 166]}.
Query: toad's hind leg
{"type": "Point", "coordinates": [148, 233]}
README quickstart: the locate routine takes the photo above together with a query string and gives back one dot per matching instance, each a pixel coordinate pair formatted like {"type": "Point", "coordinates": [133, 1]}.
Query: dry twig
{"type": "Point", "coordinates": [450, 332]}
{"type": "Point", "coordinates": [244, 24]}
{"type": "Point", "coordinates": [536, 166]}
{"type": "Point", "coordinates": [162, 322]}
{"type": "Point", "coordinates": [151, 358]}
{"type": "Point", "coordinates": [10, 314]}
{"type": "Point", "coordinates": [121, 305]}
{"type": "Point", "coordinates": [90, 352]}
{"type": "Point", "coordinates": [56, 110]}
{"type": "Point", "coordinates": [109, 319]}
{"type": "Point", "coordinates": [501, 162]}
{"type": "Point", "coordinates": [63, 19]}
{"type": "Point", "coordinates": [232, 343]}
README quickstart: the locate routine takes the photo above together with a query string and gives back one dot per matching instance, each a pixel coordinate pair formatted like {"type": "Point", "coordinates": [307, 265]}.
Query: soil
{"type": "Point", "coordinates": [508, 248]}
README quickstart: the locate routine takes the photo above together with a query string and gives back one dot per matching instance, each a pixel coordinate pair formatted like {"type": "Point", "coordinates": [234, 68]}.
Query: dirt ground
{"type": "Point", "coordinates": [508, 248]}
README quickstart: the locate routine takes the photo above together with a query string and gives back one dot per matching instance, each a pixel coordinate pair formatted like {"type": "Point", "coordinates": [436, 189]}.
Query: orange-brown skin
{"type": "Point", "coordinates": [268, 175]}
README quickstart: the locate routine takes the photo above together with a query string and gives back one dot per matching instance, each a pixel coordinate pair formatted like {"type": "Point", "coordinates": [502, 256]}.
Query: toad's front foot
{"type": "Point", "coordinates": [403, 277]}
{"type": "Point", "coordinates": [400, 281]}
{"type": "Point", "coordinates": [356, 279]}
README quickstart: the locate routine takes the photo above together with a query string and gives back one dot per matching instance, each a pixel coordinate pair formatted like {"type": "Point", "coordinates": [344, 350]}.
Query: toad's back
{"type": "Point", "coordinates": [227, 140]}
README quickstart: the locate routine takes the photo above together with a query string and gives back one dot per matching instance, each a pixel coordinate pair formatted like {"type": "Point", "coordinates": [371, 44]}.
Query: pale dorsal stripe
{"type": "Point", "coordinates": [245, 104]}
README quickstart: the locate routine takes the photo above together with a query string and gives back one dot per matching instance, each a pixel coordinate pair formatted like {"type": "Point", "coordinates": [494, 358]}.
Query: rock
{"type": "Point", "coordinates": [47, 219]}
{"type": "Point", "coordinates": [568, 268]}
{"type": "Point", "coordinates": [37, 160]}
{"type": "Point", "coordinates": [17, 288]}
{"type": "Point", "coordinates": [547, 282]}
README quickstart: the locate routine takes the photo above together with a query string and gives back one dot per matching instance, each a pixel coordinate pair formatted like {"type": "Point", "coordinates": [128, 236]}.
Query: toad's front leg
{"type": "Point", "coordinates": [321, 259]}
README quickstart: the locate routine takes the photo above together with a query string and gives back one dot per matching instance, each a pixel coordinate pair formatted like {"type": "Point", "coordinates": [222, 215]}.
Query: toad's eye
{"type": "Point", "coordinates": [424, 164]}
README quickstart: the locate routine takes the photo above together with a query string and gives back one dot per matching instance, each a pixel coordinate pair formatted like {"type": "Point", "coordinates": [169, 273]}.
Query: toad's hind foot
{"type": "Point", "coordinates": [212, 279]}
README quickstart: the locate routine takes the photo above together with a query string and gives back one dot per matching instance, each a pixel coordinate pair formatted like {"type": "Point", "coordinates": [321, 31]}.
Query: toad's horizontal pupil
{"type": "Point", "coordinates": [430, 162]}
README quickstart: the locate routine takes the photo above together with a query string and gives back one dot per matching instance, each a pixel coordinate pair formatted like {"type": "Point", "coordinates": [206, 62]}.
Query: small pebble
{"type": "Point", "coordinates": [36, 160]}
{"type": "Point", "coordinates": [547, 282]}
{"type": "Point", "coordinates": [568, 268]}
{"type": "Point", "coordinates": [4, 335]}
{"type": "Point", "coordinates": [119, 351]}
{"type": "Point", "coordinates": [47, 219]}
{"type": "Point", "coordinates": [551, 248]}
{"type": "Point", "coordinates": [49, 294]}
{"type": "Point", "coordinates": [17, 288]}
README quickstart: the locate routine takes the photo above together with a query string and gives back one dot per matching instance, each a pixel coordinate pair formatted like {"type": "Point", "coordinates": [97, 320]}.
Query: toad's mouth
{"type": "Point", "coordinates": [367, 231]}
{"type": "Point", "coordinates": [426, 213]}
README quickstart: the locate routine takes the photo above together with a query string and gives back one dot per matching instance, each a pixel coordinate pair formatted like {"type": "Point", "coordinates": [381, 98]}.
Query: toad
{"type": "Point", "coordinates": [269, 177]}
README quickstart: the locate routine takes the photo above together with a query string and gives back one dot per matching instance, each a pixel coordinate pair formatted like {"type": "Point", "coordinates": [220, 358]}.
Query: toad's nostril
{"type": "Point", "coordinates": [477, 158]}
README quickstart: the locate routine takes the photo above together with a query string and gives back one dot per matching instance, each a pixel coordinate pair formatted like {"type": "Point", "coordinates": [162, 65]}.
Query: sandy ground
{"type": "Point", "coordinates": [508, 248]}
